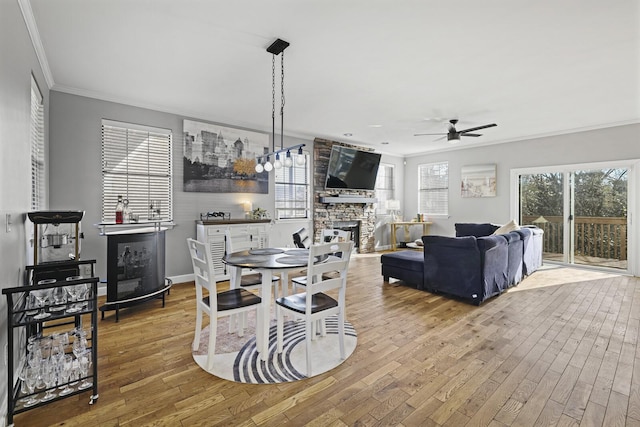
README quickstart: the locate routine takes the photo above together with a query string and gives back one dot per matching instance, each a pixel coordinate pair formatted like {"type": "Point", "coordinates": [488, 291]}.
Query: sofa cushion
{"type": "Point", "coordinates": [408, 260]}
{"type": "Point", "coordinates": [475, 229]}
{"type": "Point", "coordinates": [515, 245]}
{"type": "Point", "coordinates": [507, 228]}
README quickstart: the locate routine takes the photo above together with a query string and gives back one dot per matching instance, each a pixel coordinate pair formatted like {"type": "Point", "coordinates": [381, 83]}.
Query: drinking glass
{"type": "Point", "coordinates": [73, 296]}
{"type": "Point", "coordinates": [85, 362]}
{"type": "Point", "coordinates": [31, 305]}
{"type": "Point", "coordinates": [34, 358]}
{"type": "Point", "coordinates": [59, 296]}
{"type": "Point", "coordinates": [50, 377]}
{"type": "Point", "coordinates": [42, 295]}
{"type": "Point", "coordinates": [79, 345]}
{"type": "Point", "coordinates": [31, 378]}
{"type": "Point", "coordinates": [65, 373]}
{"type": "Point", "coordinates": [58, 343]}
{"type": "Point", "coordinates": [74, 373]}
{"type": "Point", "coordinates": [81, 295]}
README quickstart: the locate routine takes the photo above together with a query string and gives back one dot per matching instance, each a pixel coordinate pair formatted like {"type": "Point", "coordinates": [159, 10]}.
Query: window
{"type": "Point", "coordinates": [37, 148]}
{"type": "Point", "coordinates": [385, 187]}
{"type": "Point", "coordinates": [136, 163]}
{"type": "Point", "coordinates": [293, 196]}
{"type": "Point", "coordinates": [433, 188]}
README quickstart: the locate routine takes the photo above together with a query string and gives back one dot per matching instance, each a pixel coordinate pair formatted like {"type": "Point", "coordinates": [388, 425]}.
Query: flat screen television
{"type": "Point", "coordinates": [353, 169]}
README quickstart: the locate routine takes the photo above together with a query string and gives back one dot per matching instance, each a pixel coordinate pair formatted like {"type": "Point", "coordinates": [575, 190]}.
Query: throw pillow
{"type": "Point", "coordinates": [508, 227]}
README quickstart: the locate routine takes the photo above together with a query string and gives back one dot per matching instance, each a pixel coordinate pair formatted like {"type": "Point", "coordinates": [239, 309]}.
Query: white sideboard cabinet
{"type": "Point", "coordinates": [213, 233]}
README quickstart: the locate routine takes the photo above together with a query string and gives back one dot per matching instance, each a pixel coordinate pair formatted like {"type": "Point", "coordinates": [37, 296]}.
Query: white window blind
{"type": "Point", "coordinates": [136, 163]}
{"type": "Point", "coordinates": [293, 197]}
{"type": "Point", "coordinates": [385, 187]}
{"type": "Point", "coordinates": [37, 148]}
{"type": "Point", "coordinates": [433, 188]}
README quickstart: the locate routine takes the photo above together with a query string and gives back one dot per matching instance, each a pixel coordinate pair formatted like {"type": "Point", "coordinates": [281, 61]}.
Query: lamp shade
{"type": "Point", "coordinates": [392, 205]}
{"type": "Point", "coordinates": [247, 206]}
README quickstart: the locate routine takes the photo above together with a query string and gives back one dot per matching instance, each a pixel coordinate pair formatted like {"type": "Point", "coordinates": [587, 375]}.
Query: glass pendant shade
{"type": "Point", "coordinates": [288, 161]}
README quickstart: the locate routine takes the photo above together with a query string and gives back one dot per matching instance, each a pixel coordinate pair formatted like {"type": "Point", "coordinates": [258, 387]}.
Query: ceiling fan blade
{"type": "Point", "coordinates": [478, 128]}
{"type": "Point", "coordinates": [423, 134]}
{"type": "Point", "coordinates": [470, 134]}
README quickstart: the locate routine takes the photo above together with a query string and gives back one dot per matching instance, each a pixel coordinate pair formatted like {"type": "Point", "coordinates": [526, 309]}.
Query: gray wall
{"type": "Point", "coordinates": [17, 62]}
{"type": "Point", "coordinates": [76, 177]}
{"type": "Point", "coordinates": [616, 143]}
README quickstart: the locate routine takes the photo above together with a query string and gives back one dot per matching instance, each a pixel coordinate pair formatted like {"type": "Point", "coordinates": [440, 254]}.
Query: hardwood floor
{"type": "Point", "coordinates": [559, 349]}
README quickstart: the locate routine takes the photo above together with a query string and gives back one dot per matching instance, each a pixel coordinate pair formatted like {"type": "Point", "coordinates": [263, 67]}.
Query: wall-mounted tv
{"type": "Point", "coordinates": [353, 169]}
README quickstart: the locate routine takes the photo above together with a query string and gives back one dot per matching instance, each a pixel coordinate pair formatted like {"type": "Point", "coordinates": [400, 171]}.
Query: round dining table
{"type": "Point", "coordinates": [267, 262]}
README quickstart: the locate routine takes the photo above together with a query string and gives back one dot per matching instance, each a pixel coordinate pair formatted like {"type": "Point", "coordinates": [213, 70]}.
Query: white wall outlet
{"type": "Point", "coordinates": [8, 222]}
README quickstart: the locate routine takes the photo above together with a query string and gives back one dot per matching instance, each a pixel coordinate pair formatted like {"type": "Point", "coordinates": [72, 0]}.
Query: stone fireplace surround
{"type": "Point", "coordinates": [326, 214]}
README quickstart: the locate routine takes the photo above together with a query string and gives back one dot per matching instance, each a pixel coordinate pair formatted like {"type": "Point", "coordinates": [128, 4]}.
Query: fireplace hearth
{"type": "Point", "coordinates": [352, 227]}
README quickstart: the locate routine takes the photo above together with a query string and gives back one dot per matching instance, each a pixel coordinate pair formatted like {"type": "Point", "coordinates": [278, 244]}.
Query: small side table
{"type": "Point", "coordinates": [406, 225]}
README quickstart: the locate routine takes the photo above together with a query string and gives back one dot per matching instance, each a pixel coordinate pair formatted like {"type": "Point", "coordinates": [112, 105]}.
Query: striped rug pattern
{"type": "Point", "coordinates": [245, 366]}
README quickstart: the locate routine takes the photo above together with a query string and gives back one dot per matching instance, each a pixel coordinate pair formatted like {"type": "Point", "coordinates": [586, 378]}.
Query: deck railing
{"type": "Point", "coordinates": [594, 236]}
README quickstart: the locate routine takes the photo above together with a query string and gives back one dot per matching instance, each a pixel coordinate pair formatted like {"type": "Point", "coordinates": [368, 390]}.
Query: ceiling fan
{"type": "Point", "coordinates": [454, 135]}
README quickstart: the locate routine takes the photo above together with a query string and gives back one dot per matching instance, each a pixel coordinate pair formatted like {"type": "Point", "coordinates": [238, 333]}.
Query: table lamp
{"type": "Point", "coordinates": [393, 206]}
{"type": "Point", "coordinates": [248, 208]}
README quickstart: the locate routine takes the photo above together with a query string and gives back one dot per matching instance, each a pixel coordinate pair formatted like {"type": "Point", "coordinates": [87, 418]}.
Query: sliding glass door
{"type": "Point", "coordinates": [583, 212]}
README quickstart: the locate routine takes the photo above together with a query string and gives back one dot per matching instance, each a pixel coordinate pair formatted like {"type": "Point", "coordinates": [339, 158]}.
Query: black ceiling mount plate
{"type": "Point", "coordinates": [278, 46]}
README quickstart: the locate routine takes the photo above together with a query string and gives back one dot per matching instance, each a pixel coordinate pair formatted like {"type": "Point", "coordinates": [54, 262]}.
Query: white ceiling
{"type": "Point", "coordinates": [535, 68]}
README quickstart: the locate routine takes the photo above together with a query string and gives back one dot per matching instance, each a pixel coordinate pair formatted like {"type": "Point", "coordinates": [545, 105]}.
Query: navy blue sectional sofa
{"type": "Point", "coordinates": [473, 266]}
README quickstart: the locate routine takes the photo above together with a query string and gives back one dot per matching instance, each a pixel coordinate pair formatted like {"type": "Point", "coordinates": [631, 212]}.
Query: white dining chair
{"type": "Point", "coordinates": [314, 304]}
{"type": "Point", "coordinates": [244, 241]}
{"type": "Point", "coordinates": [328, 235]}
{"type": "Point", "coordinates": [216, 304]}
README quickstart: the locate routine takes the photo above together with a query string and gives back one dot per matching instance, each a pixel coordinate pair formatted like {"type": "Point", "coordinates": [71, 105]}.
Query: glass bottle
{"type": "Point", "coordinates": [119, 210]}
{"type": "Point", "coordinates": [126, 212]}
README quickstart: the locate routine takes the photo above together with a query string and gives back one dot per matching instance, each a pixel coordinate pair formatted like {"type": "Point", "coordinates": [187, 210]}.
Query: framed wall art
{"type": "Point", "coordinates": [478, 180]}
{"type": "Point", "coordinates": [220, 159]}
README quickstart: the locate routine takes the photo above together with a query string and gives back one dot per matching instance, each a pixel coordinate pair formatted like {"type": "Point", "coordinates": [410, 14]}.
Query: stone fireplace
{"type": "Point", "coordinates": [341, 208]}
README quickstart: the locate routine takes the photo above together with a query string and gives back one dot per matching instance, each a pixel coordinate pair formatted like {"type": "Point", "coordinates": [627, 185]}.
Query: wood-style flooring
{"type": "Point", "coordinates": [559, 349]}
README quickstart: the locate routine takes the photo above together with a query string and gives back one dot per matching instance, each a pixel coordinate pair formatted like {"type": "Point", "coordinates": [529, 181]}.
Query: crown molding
{"type": "Point", "coordinates": [32, 28]}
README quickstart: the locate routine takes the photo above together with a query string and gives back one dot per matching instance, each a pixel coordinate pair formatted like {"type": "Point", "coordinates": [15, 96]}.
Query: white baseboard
{"type": "Point", "coordinates": [182, 278]}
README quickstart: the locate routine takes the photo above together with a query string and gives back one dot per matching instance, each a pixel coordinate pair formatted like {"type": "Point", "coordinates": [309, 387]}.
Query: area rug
{"type": "Point", "coordinates": [237, 359]}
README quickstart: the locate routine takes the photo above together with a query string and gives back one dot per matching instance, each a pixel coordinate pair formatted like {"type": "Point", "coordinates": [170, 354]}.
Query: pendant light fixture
{"type": "Point", "coordinates": [277, 48]}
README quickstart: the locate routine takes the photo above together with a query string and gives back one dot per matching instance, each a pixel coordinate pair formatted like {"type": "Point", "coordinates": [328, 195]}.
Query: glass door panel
{"type": "Point", "coordinates": [542, 205]}
{"type": "Point", "coordinates": [593, 205]}
{"type": "Point", "coordinates": [599, 217]}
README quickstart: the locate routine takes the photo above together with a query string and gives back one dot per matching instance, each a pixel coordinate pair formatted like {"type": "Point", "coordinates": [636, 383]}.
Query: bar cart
{"type": "Point", "coordinates": [51, 312]}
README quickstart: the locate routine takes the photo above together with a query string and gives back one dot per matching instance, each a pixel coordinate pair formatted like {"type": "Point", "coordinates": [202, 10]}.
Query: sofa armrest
{"type": "Point", "coordinates": [452, 266]}
{"type": "Point", "coordinates": [494, 252]}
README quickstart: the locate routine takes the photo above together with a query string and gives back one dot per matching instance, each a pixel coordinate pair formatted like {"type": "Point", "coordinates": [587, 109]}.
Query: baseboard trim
{"type": "Point", "coordinates": [182, 278]}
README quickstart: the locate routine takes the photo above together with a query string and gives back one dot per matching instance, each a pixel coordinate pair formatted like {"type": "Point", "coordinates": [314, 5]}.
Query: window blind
{"type": "Point", "coordinates": [433, 188]}
{"type": "Point", "coordinates": [37, 148]}
{"type": "Point", "coordinates": [292, 199]}
{"type": "Point", "coordinates": [136, 163]}
{"type": "Point", "coordinates": [385, 187]}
